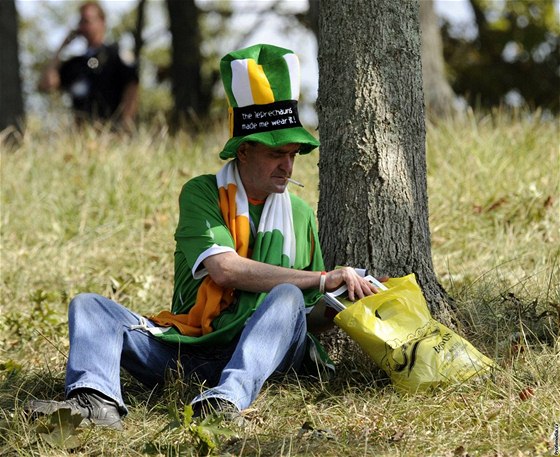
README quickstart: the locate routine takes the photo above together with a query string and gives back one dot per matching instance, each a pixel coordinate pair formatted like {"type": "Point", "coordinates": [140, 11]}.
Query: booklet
{"type": "Point", "coordinates": [338, 299]}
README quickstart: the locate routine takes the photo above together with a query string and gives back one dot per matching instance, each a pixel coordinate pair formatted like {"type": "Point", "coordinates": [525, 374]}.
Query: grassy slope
{"type": "Point", "coordinates": [83, 212]}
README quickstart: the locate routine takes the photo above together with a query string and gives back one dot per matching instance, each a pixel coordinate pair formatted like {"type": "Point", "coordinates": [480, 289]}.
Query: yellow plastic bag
{"type": "Point", "coordinates": [395, 328]}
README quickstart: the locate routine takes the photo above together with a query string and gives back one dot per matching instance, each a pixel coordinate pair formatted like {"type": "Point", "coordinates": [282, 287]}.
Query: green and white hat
{"type": "Point", "coordinates": [262, 88]}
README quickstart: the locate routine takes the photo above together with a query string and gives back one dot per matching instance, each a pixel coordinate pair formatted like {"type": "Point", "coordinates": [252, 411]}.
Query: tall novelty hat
{"type": "Point", "coordinates": [262, 88]}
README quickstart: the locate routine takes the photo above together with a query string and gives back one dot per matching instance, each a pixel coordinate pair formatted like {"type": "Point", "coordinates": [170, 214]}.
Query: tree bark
{"type": "Point", "coordinates": [373, 205]}
{"type": "Point", "coordinates": [438, 95]}
{"type": "Point", "coordinates": [11, 99]}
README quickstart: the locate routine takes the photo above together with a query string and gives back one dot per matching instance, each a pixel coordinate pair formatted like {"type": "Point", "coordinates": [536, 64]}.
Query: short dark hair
{"type": "Point", "coordinates": [96, 5]}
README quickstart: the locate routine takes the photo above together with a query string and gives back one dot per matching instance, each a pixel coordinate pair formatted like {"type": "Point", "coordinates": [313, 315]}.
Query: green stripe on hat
{"type": "Point", "coordinates": [278, 75]}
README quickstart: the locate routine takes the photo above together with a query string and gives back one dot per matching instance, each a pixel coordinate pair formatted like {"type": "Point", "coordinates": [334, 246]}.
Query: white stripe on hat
{"type": "Point", "coordinates": [293, 68]}
{"type": "Point", "coordinates": [240, 85]}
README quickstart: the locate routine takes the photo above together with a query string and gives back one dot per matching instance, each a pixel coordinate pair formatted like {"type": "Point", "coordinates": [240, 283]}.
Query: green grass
{"type": "Point", "coordinates": [83, 211]}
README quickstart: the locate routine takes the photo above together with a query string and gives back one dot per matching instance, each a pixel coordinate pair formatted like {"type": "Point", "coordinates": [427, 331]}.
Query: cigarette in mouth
{"type": "Point", "coordinates": [293, 181]}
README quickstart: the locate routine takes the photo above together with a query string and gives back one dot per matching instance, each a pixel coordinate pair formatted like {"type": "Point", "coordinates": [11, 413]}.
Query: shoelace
{"type": "Point", "coordinates": [83, 401]}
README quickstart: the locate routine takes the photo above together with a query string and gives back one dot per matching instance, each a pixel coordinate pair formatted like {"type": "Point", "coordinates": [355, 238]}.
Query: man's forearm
{"type": "Point", "coordinates": [50, 79]}
{"type": "Point", "coordinates": [231, 270]}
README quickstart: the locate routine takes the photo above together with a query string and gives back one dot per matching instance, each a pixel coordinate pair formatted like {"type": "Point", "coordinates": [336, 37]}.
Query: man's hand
{"type": "Point", "coordinates": [358, 287]}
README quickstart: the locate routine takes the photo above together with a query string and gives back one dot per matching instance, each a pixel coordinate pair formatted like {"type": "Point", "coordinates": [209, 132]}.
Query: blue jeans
{"type": "Point", "coordinates": [102, 341]}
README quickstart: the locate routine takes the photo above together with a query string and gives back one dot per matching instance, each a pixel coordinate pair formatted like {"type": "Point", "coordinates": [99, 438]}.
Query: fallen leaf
{"type": "Point", "coordinates": [526, 393]}
{"type": "Point", "coordinates": [309, 431]}
{"type": "Point", "coordinates": [460, 452]}
{"type": "Point", "coordinates": [60, 431]}
{"type": "Point", "coordinates": [397, 436]}
{"type": "Point", "coordinates": [496, 204]}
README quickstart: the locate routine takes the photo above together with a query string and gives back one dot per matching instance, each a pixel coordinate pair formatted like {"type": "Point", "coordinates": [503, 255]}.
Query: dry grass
{"type": "Point", "coordinates": [88, 212]}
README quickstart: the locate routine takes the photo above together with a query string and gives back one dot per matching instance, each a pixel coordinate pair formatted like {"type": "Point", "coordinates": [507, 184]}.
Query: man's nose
{"type": "Point", "coordinates": [287, 163]}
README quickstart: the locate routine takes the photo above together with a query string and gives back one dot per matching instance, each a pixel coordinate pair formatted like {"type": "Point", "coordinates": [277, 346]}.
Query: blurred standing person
{"type": "Point", "coordinates": [101, 84]}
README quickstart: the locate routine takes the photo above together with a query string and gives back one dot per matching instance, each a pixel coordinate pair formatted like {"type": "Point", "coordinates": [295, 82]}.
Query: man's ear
{"type": "Point", "coordinates": [242, 152]}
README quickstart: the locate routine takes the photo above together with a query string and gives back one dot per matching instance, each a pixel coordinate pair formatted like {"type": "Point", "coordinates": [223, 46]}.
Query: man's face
{"type": "Point", "coordinates": [92, 26]}
{"type": "Point", "coordinates": [265, 170]}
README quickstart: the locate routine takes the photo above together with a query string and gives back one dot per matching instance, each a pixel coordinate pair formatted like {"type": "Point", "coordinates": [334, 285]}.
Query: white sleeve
{"type": "Point", "coordinates": [213, 250]}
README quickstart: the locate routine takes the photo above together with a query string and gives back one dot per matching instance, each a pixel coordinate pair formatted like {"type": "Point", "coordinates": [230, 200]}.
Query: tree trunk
{"type": "Point", "coordinates": [438, 94]}
{"type": "Point", "coordinates": [373, 205]}
{"type": "Point", "coordinates": [139, 27]}
{"type": "Point", "coordinates": [191, 101]}
{"type": "Point", "coordinates": [11, 99]}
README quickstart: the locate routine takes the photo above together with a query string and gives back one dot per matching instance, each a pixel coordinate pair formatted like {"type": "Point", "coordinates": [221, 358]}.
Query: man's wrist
{"type": "Point", "coordinates": [322, 281]}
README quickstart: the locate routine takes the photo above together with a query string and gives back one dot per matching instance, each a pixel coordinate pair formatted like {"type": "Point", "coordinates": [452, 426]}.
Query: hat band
{"type": "Point", "coordinates": [265, 118]}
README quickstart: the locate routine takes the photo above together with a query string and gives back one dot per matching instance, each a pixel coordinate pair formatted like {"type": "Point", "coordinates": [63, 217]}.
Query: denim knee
{"type": "Point", "coordinates": [84, 303]}
{"type": "Point", "coordinates": [288, 296]}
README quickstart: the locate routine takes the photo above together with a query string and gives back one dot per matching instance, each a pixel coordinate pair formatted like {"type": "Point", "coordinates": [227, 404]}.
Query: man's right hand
{"type": "Point", "coordinates": [358, 287]}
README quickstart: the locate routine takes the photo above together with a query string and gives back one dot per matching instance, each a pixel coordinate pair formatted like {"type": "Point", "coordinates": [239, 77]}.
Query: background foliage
{"type": "Point", "coordinates": [508, 55]}
{"type": "Point", "coordinates": [513, 58]}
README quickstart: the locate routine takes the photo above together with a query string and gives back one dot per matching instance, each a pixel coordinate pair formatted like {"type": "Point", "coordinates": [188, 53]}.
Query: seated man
{"type": "Point", "coordinates": [101, 84]}
{"type": "Point", "coordinates": [248, 267]}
